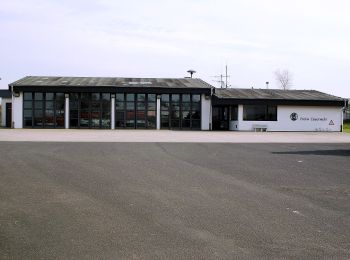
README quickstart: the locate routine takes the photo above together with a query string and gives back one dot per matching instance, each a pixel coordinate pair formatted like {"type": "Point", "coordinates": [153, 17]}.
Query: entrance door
{"type": "Point", "coordinates": [220, 118]}
{"type": "Point", "coordinates": [8, 114]}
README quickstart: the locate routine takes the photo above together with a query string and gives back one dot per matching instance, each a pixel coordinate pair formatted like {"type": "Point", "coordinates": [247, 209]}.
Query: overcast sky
{"type": "Point", "coordinates": [163, 38]}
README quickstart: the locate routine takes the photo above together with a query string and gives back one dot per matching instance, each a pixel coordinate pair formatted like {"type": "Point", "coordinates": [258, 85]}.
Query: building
{"type": "Point", "coordinates": [6, 108]}
{"type": "Point", "coordinates": [149, 103]}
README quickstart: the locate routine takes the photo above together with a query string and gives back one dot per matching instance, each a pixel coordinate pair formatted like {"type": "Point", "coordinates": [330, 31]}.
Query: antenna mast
{"type": "Point", "coordinates": [226, 76]}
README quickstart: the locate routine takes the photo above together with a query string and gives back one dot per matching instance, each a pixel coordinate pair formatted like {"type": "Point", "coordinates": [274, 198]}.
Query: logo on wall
{"type": "Point", "coordinates": [331, 122]}
{"type": "Point", "coordinates": [294, 116]}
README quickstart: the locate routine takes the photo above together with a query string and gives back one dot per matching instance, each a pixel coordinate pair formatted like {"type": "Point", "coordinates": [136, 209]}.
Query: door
{"type": "Point", "coordinates": [8, 114]}
{"type": "Point", "coordinates": [220, 118]}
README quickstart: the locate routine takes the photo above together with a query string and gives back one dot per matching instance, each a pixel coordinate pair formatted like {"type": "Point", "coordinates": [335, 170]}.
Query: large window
{"type": "Point", "coordinates": [259, 113]}
{"type": "Point", "coordinates": [135, 111]}
{"type": "Point", "coordinates": [43, 110]}
{"type": "Point", "coordinates": [180, 111]}
{"type": "Point", "coordinates": [90, 110]}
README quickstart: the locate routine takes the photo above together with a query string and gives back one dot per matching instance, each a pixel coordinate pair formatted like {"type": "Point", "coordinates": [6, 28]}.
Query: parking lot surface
{"type": "Point", "coordinates": [174, 201]}
{"type": "Point", "coordinates": [128, 135]}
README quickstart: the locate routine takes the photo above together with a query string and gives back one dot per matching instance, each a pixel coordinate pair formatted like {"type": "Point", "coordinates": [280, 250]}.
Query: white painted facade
{"type": "Point", "coordinates": [309, 118]}
{"type": "Point", "coordinates": [17, 111]}
{"type": "Point", "coordinates": [3, 110]}
{"type": "Point", "coordinates": [206, 113]}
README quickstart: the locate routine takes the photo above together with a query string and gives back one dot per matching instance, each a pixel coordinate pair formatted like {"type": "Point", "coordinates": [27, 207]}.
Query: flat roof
{"type": "Point", "coordinates": [91, 84]}
{"type": "Point", "coordinates": [111, 81]}
{"type": "Point", "coordinates": [274, 96]}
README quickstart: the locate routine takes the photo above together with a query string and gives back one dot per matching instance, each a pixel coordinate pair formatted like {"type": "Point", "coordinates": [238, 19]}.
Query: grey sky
{"type": "Point", "coordinates": [166, 38]}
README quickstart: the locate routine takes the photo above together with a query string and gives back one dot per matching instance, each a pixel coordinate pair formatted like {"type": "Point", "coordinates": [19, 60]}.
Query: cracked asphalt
{"type": "Point", "coordinates": [174, 201]}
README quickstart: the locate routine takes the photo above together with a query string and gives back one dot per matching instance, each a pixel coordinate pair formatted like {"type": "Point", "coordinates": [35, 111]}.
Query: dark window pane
{"type": "Point", "coordinates": [84, 104]}
{"type": "Point", "coordinates": [186, 123]}
{"type": "Point", "coordinates": [259, 113]}
{"type": "Point", "coordinates": [175, 106]}
{"type": "Point", "coordinates": [28, 121]}
{"type": "Point", "coordinates": [95, 105]}
{"type": "Point", "coordinates": [151, 97]}
{"type": "Point", "coordinates": [196, 115]}
{"type": "Point", "coordinates": [196, 106]}
{"type": "Point", "coordinates": [141, 106]}
{"type": "Point", "coordinates": [38, 96]}
{"type": "Point", "coordinates": [49, 96]}
{"type": "Point", "coordinates": [152, 106]}
{"type": "Point", "coordinates": [106, 123]}
{"type": "Point", "coordinates": [106, 96]}
{"type": "Point", "coordinates": [196, 98]}
{"type": "Point", "coordinates": [196, 124]}
{"type": "Point", "coordinates": [272, 113]}
{"type": "Point", "coordinates": [27, 113]}
{"type": "Point", "coordinates": [186, 98]}
{"type": "Point", "coordinates": [130, 106]}
{"type": "Point", "coordinates": [28, 96]}
{"type": "Point", "coordinates": [141, 97]}
{"type": "Point", "coordinates": [130, 97]}
{"type": "Point", "coordinates": [59, 120]}
{"type": "Point", "coordinates": [27, 104]}
{"type": "Point", "coordinates": [186, 115]}
{"type": "Point", "coordinates": [186, 106]}
{"type": "Point", "coordinates": [73, 96]}
{"type": "Point", "coordinates": [38, 104]}
{"type": "Point", "coordinates": [175, 97]}
{"type": "Point", "coordinates": [119, 105]}
{"type": "Point", "coordinates": [119, 97]}
{"type": "Point", "coordinates": [85, 96]}
{"type": "Point", "coordinates": [73, 122]}
{"type": "Point", "coordinates": [234, 113]}
{"type": "Point", "coordinates": [165, 98]}
{"type": "Point", "coordinates": [49, 104]}
{"type": "Point", "coordinates": [95, 96]}
{"type": "Point", "coordinates": [60, 96]}
{"type": "Point", "coordinates": [165, 106]}
{"type": "Point", "coordinates": [175, 123]}
{"type": "Point", "coordinates": [175, 114]}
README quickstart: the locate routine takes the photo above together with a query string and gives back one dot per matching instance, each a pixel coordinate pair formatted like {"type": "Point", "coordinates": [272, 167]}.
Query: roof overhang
{"type": "Point", "coordinates": [287, 102]}
{"type": "Point", "coordinates": [112, 89]}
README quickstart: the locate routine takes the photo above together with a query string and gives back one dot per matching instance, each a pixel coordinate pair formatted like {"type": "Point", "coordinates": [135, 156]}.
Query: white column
{"type": "Point", "coordinates": [158, 112]}
{"type": "Point", "coordinates": [113, 111]}
{"type": "Point", "coordinates": [66, 111]}
{"type": "Point", "coordinates": [205, 112]}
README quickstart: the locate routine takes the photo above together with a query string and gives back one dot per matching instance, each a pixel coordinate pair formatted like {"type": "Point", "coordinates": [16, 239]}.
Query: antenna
{"type": "Point", "coordinates": [222, 83]}
{"type": "Point", "coordinates": [191, 72]}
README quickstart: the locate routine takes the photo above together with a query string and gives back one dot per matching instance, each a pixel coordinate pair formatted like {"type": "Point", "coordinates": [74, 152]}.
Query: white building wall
{"type": "Point", "coordinates": [3, 110]}
{"type": "Point", "coordinates": [17, 111]}
{"type": "Point", "coordinates": [206, 113]}
{"type": "Point", "coordinates": [310, 118]}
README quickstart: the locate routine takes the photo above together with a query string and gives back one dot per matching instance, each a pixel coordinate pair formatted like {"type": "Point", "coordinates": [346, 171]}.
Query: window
{"type": "Point", "coordinates": [180, 111]}
{"type": "Point", "coordinates": [259, 113]}
{"type": "Point", "coordinates": [135, 111]}
{"type": "Point", "coordinates": [234, 113]}
{"type": "Point", "coordinates": [43, 110]}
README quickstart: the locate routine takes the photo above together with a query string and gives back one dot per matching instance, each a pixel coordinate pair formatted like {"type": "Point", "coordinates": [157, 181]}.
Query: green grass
{"type": "Point", "coordinates": [347, 127]}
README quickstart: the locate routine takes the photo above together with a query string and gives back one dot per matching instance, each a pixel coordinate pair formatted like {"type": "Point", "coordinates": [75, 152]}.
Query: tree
{"type": "Point", "coordinates": [284, 79]}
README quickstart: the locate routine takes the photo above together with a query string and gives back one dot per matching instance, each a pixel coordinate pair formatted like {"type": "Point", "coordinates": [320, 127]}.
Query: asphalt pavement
{"type": "Point", "coordinates": [174, 201]}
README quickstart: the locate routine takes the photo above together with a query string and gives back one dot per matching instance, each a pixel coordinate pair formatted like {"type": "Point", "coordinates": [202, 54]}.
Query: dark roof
{"type": "Point", "coordinates": [4, 93]}
{"type": "Point", "coordinates": [111, 81]}
{"type": "Point", "coordinates": [274, 96]}
{"type": "Point", "coordinates": [110, 84]}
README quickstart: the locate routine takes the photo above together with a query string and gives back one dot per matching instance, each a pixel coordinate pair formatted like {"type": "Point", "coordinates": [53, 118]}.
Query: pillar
{"type": "Point", "coordinates": [112, 111]}
{"type": "Point", "coordinates": [158, 112]}
{"type": "Point", "coordinates": [66, 111]}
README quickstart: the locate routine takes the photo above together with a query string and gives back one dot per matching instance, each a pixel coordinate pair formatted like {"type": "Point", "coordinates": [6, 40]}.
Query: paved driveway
{"type": "Point", "coordinates": [75, 135]}
{"type": "Point", "coordinates": [174, 201]}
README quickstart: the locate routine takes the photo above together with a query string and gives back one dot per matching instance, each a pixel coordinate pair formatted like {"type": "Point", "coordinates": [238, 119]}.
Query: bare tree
{"type": "Point", "coordinates": [284, 79]}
